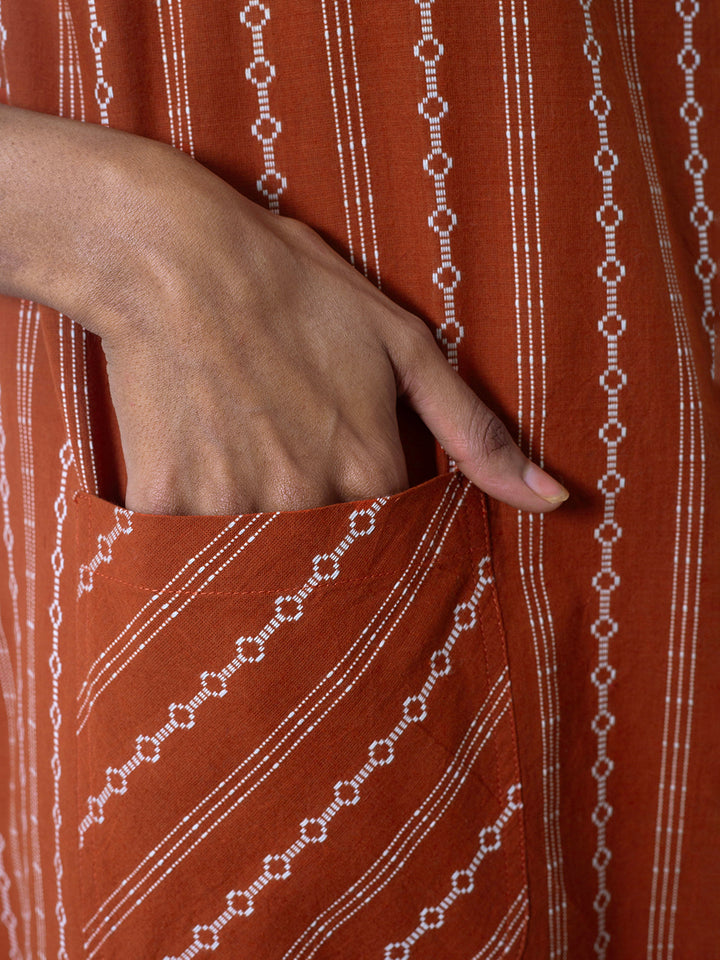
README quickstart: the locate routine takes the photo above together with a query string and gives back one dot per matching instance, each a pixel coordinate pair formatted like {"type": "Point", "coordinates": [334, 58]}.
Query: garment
{"type": "Point", "coordinates": [427, 725]}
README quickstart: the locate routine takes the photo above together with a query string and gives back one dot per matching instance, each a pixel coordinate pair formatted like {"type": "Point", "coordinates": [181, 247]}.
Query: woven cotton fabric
{"type": "Point", "coordinates": [427, 726]}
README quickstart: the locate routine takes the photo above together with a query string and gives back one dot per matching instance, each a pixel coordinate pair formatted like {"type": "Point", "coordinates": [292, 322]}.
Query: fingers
{"type": "Point", "coordinates": [467, 430]}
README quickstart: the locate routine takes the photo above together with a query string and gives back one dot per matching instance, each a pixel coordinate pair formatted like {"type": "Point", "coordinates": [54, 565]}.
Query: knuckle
{"type": "Point", "coordinates": [365, 478]}
{"type": "Point", "coordinates": [295, 492]}
{"type": "Point", "coordinates": [491, 435]}
{"type": "Point", "coordinates": [413, 345]}
{"type": "Point", "coordinates": [154, 503]}
{"type": "Point", "coordinates": [156, 495]}
{"type": "Point", "coordinates": [496, 437]}
{"type": "Point", "coordinates": [418, 337]}
{"type": "Point", "coordinates": [297, 231]}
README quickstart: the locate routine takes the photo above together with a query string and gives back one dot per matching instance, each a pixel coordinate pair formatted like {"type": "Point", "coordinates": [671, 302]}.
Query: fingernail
{"type": "Point", "coordinates": [544, 485]}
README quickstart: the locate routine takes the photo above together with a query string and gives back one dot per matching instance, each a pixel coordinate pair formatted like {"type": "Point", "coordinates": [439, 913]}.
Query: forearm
{"type": "Point", "coordinates": [80, 228]}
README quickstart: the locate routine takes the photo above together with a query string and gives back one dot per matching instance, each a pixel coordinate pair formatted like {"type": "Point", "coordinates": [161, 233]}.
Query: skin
{"type": "Point", "coordinates": [251, 367]}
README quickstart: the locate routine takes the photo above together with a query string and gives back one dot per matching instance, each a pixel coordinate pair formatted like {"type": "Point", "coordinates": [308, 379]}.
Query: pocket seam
{"type": "Point", "coordinates": [484, 520]}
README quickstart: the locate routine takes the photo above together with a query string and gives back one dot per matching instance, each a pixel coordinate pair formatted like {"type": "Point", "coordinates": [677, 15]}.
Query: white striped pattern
{"type": "Point", "coordinates": [7, 917]}
{"type": "Point", "coordinates": [612, 432]}
{"type": "Point", "coordinates": [22, 721]}
{"type": "Point", "coordinates": [197, 573]}
{"type": "Point", "coordinates": [4, 79]}
{"type": "Point", "coordinates": [687, 563]}
{"type": "Point", "coordinates": [508, 930]}
{"type": "Point", "coordinates": [7, 686]}
{"type": "Point", "coordinates": [381, 752]}
{"type": "Point", "coordinates": [353, 161]}
{"type": "Point", "coordinates": [55, 663]}
{"type": "Point", "coordinates": [411, 835]}
{"type": "Point", "coordinates": [462, 881]}
{"type": "Point", "coordinates": [251, 649]}
{"type": "Point", "coordinates": [696, 164]}
{"type": "Point", "coordinates": [437, 164]}
{"type": "Point", "coordinates": [266, 128]}
{"type": "Point", "coordinates": [71, 100]}
{"type": "Point", "coordinates": [531, 354]}
{"type": "Point", "coordinates": [299, 723]}
{"type": "Point", "coordinates": [25, 369]}
{"type": "Point", "coordinates": [11, 698]}
{"type": "Point", "coordinates": [72, 351]}
{"type": "Point", "coordinates": [172, 40]}
{"type": "Point", "coordinates": [105, 541]}
{"type": "Point", "coordinates": [103, 90]}
{"type": "Point", "coordinates": [72, 337]}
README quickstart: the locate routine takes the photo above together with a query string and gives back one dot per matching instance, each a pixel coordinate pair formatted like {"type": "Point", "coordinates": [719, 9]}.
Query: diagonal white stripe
{"type": "Point", "coordinates": [419, 825]}
{"type": "Point", "coordinates": [305, 717]}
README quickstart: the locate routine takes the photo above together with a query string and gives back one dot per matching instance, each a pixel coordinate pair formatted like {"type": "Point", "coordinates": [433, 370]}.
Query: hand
{"type": "Point", "coordinates": [266, 370]}
{"type": "Point", "coordinates": [250, 366]}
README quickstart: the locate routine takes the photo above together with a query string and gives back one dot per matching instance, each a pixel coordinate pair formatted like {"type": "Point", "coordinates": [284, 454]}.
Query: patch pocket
{"type": "Point", "coordinates": [295, 734]}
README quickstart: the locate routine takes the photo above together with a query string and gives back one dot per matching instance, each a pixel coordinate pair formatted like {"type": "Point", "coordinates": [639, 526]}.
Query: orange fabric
{"type": "Point", "coordinates": [424, 726]}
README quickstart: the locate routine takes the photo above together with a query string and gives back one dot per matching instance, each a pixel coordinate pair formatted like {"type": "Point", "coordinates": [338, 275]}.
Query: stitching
{"type": "Point", "coordinates": [500, 638]}
{"type": "Point", "coordinates": [81, 620]}
{"type": "Point", "coordinates": [522, 832]}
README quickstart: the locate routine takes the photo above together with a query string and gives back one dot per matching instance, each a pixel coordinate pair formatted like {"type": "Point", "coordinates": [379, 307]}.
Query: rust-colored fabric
{"type": "Point", "coordinates": [424, 726]}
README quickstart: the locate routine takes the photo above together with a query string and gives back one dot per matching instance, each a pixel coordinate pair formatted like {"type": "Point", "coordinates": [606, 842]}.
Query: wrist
{"type": "Point", "coordinates": [83, 211]}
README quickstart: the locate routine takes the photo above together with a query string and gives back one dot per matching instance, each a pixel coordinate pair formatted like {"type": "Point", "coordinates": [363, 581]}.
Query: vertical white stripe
{"type": "Point", "coordinates": [25, 368]}
{"type": "Point", "coordinates": [176, 85]}
{"type": "Point", "coordinates": [537, 571]}
{"type": "Point", "coordinates": [11, 699]}
{"type": "Point", "coordinates": [443, 220]}
{"type": "Point", "coordinates": [103, 90]}
{"type": "Point", "coordinates": [363, 144]}
{"type": "Point", "coordinates": [7, 916]}
{"type": "Point", "coordinates": [351, 138]}
{"type": "Point", "coordinates": [4, 79]}
{"type": "Point", "coordinates": [176, 70]}
{"type": "Point", "coordinates": [79, 445]}
{"type": "Point", "coordinates": [530, 333]}
{"type": "Point", "coordinates": [260, 72]}
{"type": "Point", "coordinates": [687, 559]}
{"type": "Point", "coordinates": [76, 413]}
{"type": "Point", "coordinates": [185, 95]}
{"type": "Point", "coordinates": [20, 687]}
{"type": "Point", "coordinates": [696, 164]}
{"type": "Point", "coordinates": [55, 664]}
{"type": "Point", "coordinates": [62, 16]}
{"type": "Point", "coordinates": [613, 379]}
{"type": "Point", "coordinates": [338, 134]}
{"type": "Point", "coordinates": [174, 132]}
{"type": "Point", "coordinates": [353, 162]}
{"type": "Point", "coordinates": [88, 454]}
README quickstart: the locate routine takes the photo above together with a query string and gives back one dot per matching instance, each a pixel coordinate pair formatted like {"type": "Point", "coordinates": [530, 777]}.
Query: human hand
{"type": "Point", "coordinates": [252, 368]}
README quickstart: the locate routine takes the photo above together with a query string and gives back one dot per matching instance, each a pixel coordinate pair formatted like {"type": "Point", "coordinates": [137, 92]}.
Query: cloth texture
{"type": "Point", "coordinates": [427, 726]}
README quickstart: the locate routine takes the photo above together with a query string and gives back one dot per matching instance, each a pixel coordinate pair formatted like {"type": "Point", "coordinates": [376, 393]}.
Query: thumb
{"type": "Point", "coordinates": [466, 429]}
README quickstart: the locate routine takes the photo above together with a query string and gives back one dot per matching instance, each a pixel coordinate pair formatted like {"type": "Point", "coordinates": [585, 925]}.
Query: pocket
{"type": "Point", "coordinates": [295, 733]}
